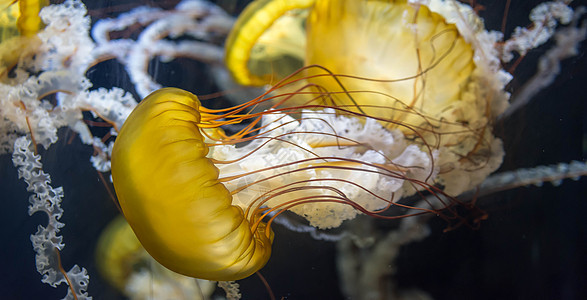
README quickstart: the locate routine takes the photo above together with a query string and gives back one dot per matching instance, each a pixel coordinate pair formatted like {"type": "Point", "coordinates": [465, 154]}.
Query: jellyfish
{"type": "Point", "coordinates": [338, 138]}
{"type": "Point", "coordinates": [127, 266]}
{"type": "Point", "coordinates": [167, 124]}
{"type": "Point", "coordinates": [444, 83]}
{"type": "Point", "coordinates": [196, 199]}
{"type": "Point", "coordinates": [320, 93]}
{"type": "Point", "coordinates": [326, 49]}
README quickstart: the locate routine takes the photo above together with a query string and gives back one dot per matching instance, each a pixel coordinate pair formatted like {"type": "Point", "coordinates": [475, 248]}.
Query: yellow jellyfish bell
{"type": "Point", "coordinates": [252, 52]}
{"type": "Point", "coordinates": [116, 251]}
{"type": "Point", "coordinates": [124, 263]}
{"type": "Point", "coordinates": [392, 56]}
{"type": "Point", "coordinates": [420, 62]}
{"type": "Point", "coordinates": [170, 194]}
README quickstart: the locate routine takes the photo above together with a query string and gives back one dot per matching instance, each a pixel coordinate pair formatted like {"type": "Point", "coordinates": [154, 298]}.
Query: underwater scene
{"type": "Point", "coordinates": [302, 149]}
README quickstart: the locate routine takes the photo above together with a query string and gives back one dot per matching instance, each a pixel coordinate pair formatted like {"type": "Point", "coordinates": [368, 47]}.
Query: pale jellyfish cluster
{"type": "Point", "coordinates": [286, 145]}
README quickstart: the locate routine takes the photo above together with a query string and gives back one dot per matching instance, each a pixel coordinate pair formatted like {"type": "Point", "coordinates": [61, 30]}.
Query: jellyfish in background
{"type": "Point", "coordinates": [125, 264]}
{"type": "Point", "coordinates": [75, 105]}
{"type": "Point", "coordinates": [444, 86]}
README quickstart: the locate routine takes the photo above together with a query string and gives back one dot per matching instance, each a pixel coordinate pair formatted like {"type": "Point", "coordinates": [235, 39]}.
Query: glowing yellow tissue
{"type": "Point", "coordinates": [9, 14]}
{"type": "Point", "coordinates": [423, 61]}
{"type": "Point", "coordinates": [29, 21]}
{"type": "Point", "coordinates": [117, 250]}
{"type": "Point", "coordinates": [406, 57]}
{"type": "Point", "coordinates": [19, 23]}
{"type": "Point", "coordinates": [171, 197]}
{"type": "Point", "coordinates": [265, 32]}
{"type": "Point", "coordinates": [124, 263]}
{"type": "Point", "coordinates": [20, 17]}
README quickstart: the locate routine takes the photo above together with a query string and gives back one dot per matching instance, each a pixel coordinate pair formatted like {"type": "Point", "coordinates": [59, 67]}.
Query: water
{"type": "Point", "coordinates": [531, 246]}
